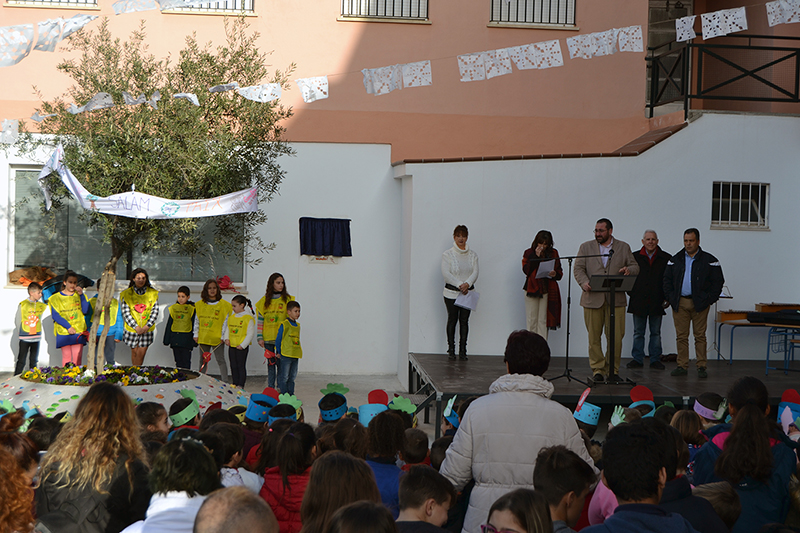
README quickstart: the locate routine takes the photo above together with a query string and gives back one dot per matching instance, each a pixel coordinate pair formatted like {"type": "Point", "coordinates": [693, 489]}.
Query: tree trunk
{"type": "Point", "coordinates": [104, 294]}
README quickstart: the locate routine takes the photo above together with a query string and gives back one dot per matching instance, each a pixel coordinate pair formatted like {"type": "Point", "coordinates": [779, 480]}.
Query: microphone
{"type": "Point", "coordinates": [610, 253]}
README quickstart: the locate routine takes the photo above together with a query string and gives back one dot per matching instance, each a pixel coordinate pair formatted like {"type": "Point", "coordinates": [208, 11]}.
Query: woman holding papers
{"type": "Point", "coordinates": [460, 270]}
{"type": "Point", "coordinates": [541, 265]}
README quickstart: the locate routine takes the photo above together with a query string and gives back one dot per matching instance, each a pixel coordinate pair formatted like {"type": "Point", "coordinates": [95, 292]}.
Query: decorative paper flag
{"type": "Point", "coordinates": [367, 73]}
{"type": "Point", "coordinates": [129, 100]}
{"type": "Point", "coordinates": [49, 34]}
{"type": "Point", "coordinates": [137, 205]}
{"type": "Point", "coordinates": [791, 11]}
{"type": "Point", "coordinates": [774, 13]}
{"type": "Point", "coordinates": [471, 67]}
{"type": "Point", "coordinates": [734, 20]}
{"type": "Point", "coordinates": [417, 74]}
{"type": "Point", "coordinates": [189, 96]}
{"type": "Point", "coordinates": [10, 132]}
{"type": "Point", "coordinates": [684, 28]}
{"type": "Point", "coordinates": [547, 54]}
{"type": "Point", "coordinates": [387, 79]}
{"type": "Point", "coordinates": [223, 88]}
{"type": "Point", "coordinates": [605, 42]}
{"type": "Point", "coordinates": [261, 93]}
{"type": "Point", "coordinates": [581, 46]}
{"type": "Point", "coordinates": [496, 63]}
{"type": "Point", "coordinates": [523, 56]}
{"type": "Point", "coordinates": [153, 99]}
{"type": "Point", "coordinates": [76, 22]}
{"type": "Point", "coordinates": [313, 89]}
{"type": "Point", "coordinates": [131, 6]}
{"type": "Point", "coordinates": [98, 101]}
{"type": "Point", "coordinates": [173, 4]}
{"type": "Point", "coordinates": [712, 25]}
{"type": "Point", "coordinates": [15, 44]}
{"type": "Point", "coordinates": [630, 39]}
{"type": "Point", "coordinates": [36, 117]}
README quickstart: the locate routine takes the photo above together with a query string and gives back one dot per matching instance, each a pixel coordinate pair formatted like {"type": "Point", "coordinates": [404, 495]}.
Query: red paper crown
{"type": "Point", "coordinates": [791, 396]}
{"type": "Point", "coordinates": [640, 393]}
{"type": "Point", "coordinates": [378, 396]}
{"type": "Point", "coordinates": [272, 393]}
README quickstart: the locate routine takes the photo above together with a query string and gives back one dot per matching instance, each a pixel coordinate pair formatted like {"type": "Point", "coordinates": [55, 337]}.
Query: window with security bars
{"type": "Point", "coordinates": [385, 9]}
{"type": "Point", "coordinates": [740, 205]}
{"type": "Point", "coordinates": [556, 12]}
{"type": "Point", "coordinates": [53, 3]}
{"type": "Point", "coordinates": [225, 6]}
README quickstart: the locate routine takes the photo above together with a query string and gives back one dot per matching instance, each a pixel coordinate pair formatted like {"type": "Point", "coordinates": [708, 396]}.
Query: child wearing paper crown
{"type": "Point", "coordinates": [30, 327]}
{"type": "Point", "coordinates": [256, 416]}
{"type": "Point", "coordinates": [237, 334]}
{"type": "Point", "coordinates": [113, 332]}
{"type": "Point", "coordinates": [287, 347]}
{"type": "Point", "coordinates": [332, 406]}
{"type": "Point", "coordinates": [178, 333]}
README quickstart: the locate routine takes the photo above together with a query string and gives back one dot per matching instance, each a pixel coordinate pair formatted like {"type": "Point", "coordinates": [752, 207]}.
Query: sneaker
{"type": "Point", "coordinates": [679, 372]}
{"type": "Point", "coordinates": [658, 365]}
{"type": "Point", "coordinates": [701, 373]}
{"type": "Point", "coordinates": [598, 378]}
{"type": "Point", "coordinates": [633, 363]}
{"type": "Point", "coordinates": [463, 357]}
{"type": "Point", "coordinates": [451, 356]}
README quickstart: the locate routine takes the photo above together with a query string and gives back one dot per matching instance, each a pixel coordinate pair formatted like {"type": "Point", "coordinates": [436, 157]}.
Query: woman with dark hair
{"type": "Point", "coordinates": [363, 516]}
{"type": "Point", "coordinates": [460, 271]}
{"type": "Point", "coordinates": [522, 510]}
{"type": "Point", "coordinates": [139, 312]}
{"type": "Point", "coordinates": [183, 474]}
{"type": "Point", "coordinates": [271, 311]}
{"type": "Point", "coordinates": [24, 452]}
{"type": "Point", "coordinates": [337, 479]}
{"type": "Point", "coordinates": [69, 308]}
{"type": "Point", "coordinates": [93, 478]}
{"type": "Point", "coordinates": [211, 316]}
{"type": "Point", "coordinates": [750, 454]}
{"type": "Point", "coordinates": [542, 297]}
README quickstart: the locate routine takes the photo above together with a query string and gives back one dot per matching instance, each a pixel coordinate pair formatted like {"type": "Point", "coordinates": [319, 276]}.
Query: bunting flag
{"type": "Point", "coordinates": [143, 206]}
{"type": "Point", "coordinates": [783, 12]}
{"type": "Point", "coordinates": [630, 39]}
{"type": "Point", "coordinates": [684, 28]}
{"type": "Point", "coordinates": [130, 100]}
{"type": "Point", "coordinates": [132, 6]}
{"type": "Point", "coordinates": [49, 34]}
{"type": "Point", "coordinates": [261, 93]}
{"type": "Point", "coordinates": [547, 54]}
{"type": "Point", "coordinates": [719, 23]}
{"type": "Point", "coordinates": [36, 117]}
{"type": "Point", "coordinates": [15, 44]}
{"type": "Point", "coordinates": [10, 131]}
{"type": "Point", "coordinates": [188, 96]}
{"type": "Point", "coordinates": [313, 89]}
{"type": "Point", "coordinates": [471, 67]}
{"type": "Point", "coordinates": [417, 74]}
{"type": "Point", "coordinates": [98, 101]}
{"type": "Point", "coordinates": [581, 46]}
{"type": "Point", "coordinates": [523, 56]}
{"type": "Point", "coordinates": [383, 80]}
{"type": "Point", "coordinates": [605, 42]}
{"type": "Point", "coordinates": [496, 63]}
{"type": "Point", "coordinates": [224, 87]}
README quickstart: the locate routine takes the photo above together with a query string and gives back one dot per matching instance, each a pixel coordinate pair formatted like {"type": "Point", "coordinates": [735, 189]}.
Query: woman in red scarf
{"type": "Point", "coordinates": [542, 297]}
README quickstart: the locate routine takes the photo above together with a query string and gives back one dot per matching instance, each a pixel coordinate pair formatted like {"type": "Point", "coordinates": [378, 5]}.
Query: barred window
{"type": "Point", "coordinates": [54, 3]}
{"type": "Point", "coordinates": [740, 205]}
{"type": "Point", "coordinates": [223, 6]}
{"type": "Point", "coordinates": [385, 9]}
{"type": "Point", "coordinates": [555, 12]}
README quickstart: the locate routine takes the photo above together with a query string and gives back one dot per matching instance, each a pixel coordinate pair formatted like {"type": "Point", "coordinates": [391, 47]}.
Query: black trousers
{"type": "Point", "coordinates": [183, 357]}
{"type": "Point", "coordinates": [238, 365]}
{"type": "Point", "coordinates": [25, 347]}
{"type": "Point", "coordinates": [461, 316]}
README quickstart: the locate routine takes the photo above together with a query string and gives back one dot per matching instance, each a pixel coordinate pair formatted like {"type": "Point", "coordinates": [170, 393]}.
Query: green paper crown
{"type": "Point", "coordinates": [335, 387]}
{"type": "Point", "coordinates": [290, 399]}
{"type": "Point", "coordinates": [403, 404]}
{"type": "Point", "coordinates": [7, 405]}
{"type": "Point", "coordinates": [191, 410]}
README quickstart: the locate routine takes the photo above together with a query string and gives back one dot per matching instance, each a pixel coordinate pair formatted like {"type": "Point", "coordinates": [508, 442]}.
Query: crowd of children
{"type": "Point", "coordinates": [212, 324]}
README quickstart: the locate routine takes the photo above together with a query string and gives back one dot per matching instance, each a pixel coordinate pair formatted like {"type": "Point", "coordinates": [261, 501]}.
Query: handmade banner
{"type": "Point", "coordinates": [137, 205]}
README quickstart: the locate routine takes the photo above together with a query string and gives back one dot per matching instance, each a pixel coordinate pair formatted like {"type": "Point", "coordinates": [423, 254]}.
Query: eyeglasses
{"type": "Point", "coordinates": [488, 528]}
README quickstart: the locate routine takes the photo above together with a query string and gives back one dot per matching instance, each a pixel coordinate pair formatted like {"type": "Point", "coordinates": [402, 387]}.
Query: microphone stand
{"type": "Point", "coordinates": [567, 370]}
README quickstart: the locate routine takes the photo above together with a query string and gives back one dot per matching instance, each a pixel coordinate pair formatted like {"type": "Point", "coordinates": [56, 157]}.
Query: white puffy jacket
{"type": "Point", "coordinates": [500, 437]}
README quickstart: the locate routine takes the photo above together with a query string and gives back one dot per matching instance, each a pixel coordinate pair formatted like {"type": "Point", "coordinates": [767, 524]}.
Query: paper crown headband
{"type": "Point", "coordinates": [294, 401]}
{"type": "Point", "coordinates": [189, 412]}
{"type": "Point", "coordinates": [405, 405]}
{"type": "Point", "coordinates": [329, 415]}
{"type": "Point", "coordinates": [274, 415]}
{"type": "Point", "coordinates": [705, 412]}
{"type": "Point", "coordinates": [588, 414]}
{"type": "Point", "coordinates": [368, 411]}
{"type": "Point", "coordinates": [259, 406]}
{"type": "Point", "coordinates": [449, 414]}
{"type": "Point", "coordinates": [641, 395]}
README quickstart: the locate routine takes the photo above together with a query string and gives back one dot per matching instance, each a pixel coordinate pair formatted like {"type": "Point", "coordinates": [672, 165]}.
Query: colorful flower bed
{"type": "Point", "coordinates": [72, 374]}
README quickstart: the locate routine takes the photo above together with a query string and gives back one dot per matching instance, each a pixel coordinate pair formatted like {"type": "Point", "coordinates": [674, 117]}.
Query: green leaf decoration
{"type": "Point", "coordinates": [290, 399]}
{"type": "Point", "coordinates": [403, 404]}
{"type": "Point", "coordinates": [335, 387]}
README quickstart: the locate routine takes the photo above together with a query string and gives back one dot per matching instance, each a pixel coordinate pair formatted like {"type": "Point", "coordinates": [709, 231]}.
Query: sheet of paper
{"type": "Point", "coordinates": [545, 267]}
{"type": "Point", "coordinates": [469, 300]}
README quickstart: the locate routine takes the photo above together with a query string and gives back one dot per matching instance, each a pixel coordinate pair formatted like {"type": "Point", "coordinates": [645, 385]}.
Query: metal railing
{"type": "Point", "coordinates": [725, 70]}
{"type": "Point", "coordinates": [53, 3]}
{"type": "Point", "coordinates": [223, 6]}
{"type": "Point", "coordinates": [388, 9]}
{"type": "Point", "coordinates": [560, 12]}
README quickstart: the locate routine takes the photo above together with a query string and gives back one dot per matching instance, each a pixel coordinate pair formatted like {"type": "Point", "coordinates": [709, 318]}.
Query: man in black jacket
{"type": "Point", "coordinates": [692, 282]}
{"type": "Point", "coordinates": [647, 301]}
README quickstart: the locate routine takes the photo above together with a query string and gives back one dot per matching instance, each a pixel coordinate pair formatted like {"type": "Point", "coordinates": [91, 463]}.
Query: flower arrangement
{"type": "Point", "coordinates": [72, 374]}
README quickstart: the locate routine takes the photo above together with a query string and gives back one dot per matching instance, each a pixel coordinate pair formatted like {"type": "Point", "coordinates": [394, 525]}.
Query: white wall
{"type": "Point", "coordinates": [350, 310]}
{"type": "Point", "coordinates": [668, 188]}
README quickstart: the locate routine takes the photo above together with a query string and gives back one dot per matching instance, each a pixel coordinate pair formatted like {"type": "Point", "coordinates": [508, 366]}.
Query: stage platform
{"type": "Point", "coordinates": [434, 380]}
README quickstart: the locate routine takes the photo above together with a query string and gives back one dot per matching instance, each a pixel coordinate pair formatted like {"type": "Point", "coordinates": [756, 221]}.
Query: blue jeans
{"type": "Point", "coordinates": [287, 372]}
{"type": "Point", "coordinates": [272, 370]}
{"type": "Point", "coordinates": [654, 347]}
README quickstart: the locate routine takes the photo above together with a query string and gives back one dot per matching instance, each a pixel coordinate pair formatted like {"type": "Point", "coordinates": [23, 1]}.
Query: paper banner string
{"type": "Point", "coordinates": [684, 28]}
{"type": "Point", "coordinates": [471, 67]}
{"type": "Point", "coordinates": [137, 205]}
{"type": "Point", "coordinates": [496, 63]}
{"type": "Point", "coordinates": [98, 101]}
{"type": "Point", "coordinates": [129, 100]}
{"type": "Point", "coordinates": [605, 42]}
{"type": "Point", "coordinates": [719, 23]}
{"type": "Point", "coordinates": [630, 39]}
{"type": "Point", "coordinates": [783, 12]}
{"type": "Point", "coordinates": [383, 80]}
{"type": "Point", "coordinates": [188, 96]}
{"type": "Point", "coordinates": [417, 74]}
{"type": "Point", "coordinates": [523, 56]}
{"type": "Point", "coordinates": [132, 6]}
{"type": "Point", "coordinates": [223, 88]}
{"type": "Point", "coordinates": [261, 93]}
{"type": "Point", "coordinates": [36, 117]}
{"type": "Point", "coordinates": [10, 132]}
{"type": "Point", "coordinates": [15, 44]}
{"type": "Point", "coordinates": [313, 89]}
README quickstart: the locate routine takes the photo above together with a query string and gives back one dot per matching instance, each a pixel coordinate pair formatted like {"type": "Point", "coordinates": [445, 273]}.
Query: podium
{"type": "Point", "coordinates": [611, 284]}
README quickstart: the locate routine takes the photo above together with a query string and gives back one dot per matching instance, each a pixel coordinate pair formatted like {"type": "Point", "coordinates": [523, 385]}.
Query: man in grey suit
{"type": "Point", "coordinates": [616, 259]}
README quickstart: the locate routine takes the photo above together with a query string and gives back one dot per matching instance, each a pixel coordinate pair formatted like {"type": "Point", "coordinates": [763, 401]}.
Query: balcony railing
{"type": "Point", "coordinates": [223, 6]}
{"type": "Point", "coordinates": [385, 9]}
{"type": "Point", "coordinates": [54, 3]}
{"type": "Point", "coordinates": [732, 68]}
{"type": "Point", "coordinates": [556, 12]}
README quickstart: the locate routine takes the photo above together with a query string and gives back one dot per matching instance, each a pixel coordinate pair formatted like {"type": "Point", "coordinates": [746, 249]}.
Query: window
{"type": "Point", "coordinates": [224, 6]}
{"type": "Point", "coordinates": [548, 12]}
{"type": "Point", "coordinates": [68, 243]}
{"type": "Point", "coordinates": [72, 4]}
{"type": "Point", "coordinates": [740, 205]}
{"type": "Point", "coordinates": [385, 9]}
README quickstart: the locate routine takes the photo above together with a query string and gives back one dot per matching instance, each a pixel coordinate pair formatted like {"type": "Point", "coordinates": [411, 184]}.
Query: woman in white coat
{"type": "Point", "coordinates": [460, 270]}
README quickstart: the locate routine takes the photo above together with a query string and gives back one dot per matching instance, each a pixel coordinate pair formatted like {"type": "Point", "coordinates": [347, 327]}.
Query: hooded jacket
{"type": "Point", "coordinates": [171, 512]}
{"type": "Point", "coordinates": [640, 517]}
{"type": "Point", "coordinates": [285, 503]}
{"type": "Point", "coordinates": [500, 437]}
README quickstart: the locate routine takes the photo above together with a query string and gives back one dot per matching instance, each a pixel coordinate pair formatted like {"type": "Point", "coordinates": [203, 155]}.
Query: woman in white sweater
{"type": "Point", "coordinates": [460, 270]}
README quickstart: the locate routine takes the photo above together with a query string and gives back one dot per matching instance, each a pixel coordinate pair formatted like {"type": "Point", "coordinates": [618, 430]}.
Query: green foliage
{"type": "Point", "coordinates": [177, 151]}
